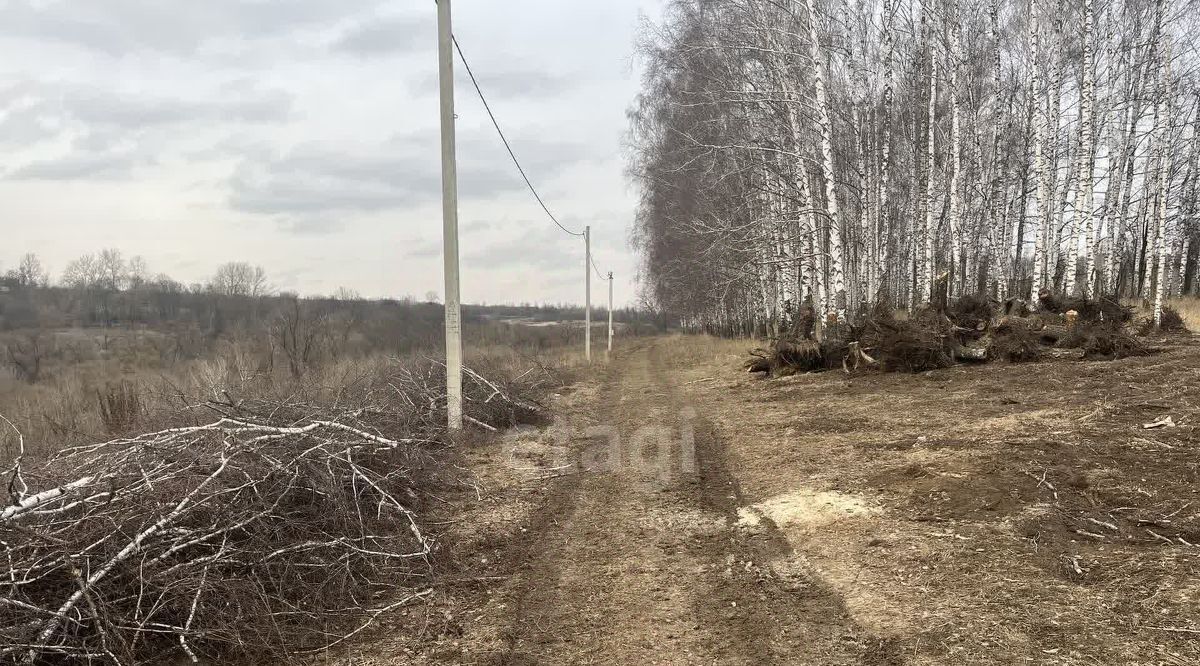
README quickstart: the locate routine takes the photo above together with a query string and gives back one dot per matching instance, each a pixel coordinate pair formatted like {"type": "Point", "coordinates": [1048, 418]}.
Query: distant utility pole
{"type": "Point", "coordinates": [587, 281]}
{"type": "Point", "coordinates": [454, 412]}
{"type": "Point", "coordinates": [610, 289]}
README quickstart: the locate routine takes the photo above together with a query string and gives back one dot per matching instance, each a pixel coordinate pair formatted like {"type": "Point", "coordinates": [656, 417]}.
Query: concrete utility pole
{"type": "Point", "coordinates": [610, 290]}
{"type": "Point", "coordinates": [587, 281]}
{"type": "Point", "coordinates": [454, 414]}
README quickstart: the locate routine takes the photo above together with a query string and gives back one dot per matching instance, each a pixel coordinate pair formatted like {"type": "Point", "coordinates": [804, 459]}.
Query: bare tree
{"type": "Point", "coordinates": [298, 331]}
{"type": "Point", "coordinates": [82, 273]}
{"type": "Point", "coordinates": [346, 294]}
{"type": "Point", "coordinates": [238, 278]}
{"type": "Point", "coordinates": [29, 272]}
{"type": "Point", "coordinates": [112, 270]}
{"type": "Point", "coordinates": [1162, 158]}
{"type": "Point", "coordinates": [24, 354]}
{"type": "Point", "coordinates": [137, 273]}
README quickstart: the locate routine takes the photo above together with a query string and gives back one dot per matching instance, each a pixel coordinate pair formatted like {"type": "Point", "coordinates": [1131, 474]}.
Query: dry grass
{"type": "Point", "coordinates": [106, 382]}
{"type": "Point", "coordinates": [1026, 516]}
{"type": "Point", "coordinates": [1189, 309]}
{"type": "Point", "coordinates": [688, 351]}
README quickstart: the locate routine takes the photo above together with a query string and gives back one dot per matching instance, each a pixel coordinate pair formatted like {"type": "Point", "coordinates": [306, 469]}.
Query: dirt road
{"type": "Point", "coordinates": [644, 563]}
{"type": "Point", "coordinates": [681, 512]}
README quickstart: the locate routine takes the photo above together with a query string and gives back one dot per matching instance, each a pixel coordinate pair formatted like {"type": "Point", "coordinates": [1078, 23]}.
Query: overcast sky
{"type": "Point", "coordinates": [302, 135]}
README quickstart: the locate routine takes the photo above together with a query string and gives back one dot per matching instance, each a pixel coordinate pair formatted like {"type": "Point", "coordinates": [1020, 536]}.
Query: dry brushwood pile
{"type": "Point", "coordinates": [277, 529]}
{"type": "Point", "coordinates": [971, 329]}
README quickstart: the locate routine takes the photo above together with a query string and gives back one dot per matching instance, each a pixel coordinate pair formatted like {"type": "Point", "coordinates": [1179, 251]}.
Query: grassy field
{"type": "Point", "coordinates": [98, 383]}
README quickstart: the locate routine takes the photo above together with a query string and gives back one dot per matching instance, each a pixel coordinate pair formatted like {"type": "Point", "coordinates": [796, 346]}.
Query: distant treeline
{"type": "Point", "coordinates": [107, 291]}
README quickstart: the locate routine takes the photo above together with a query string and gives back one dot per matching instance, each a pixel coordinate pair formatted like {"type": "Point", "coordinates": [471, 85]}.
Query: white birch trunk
{"type": "Point", "coordinates": [1083, 159]}
{"type": "Point", "coordinates": [1162, 149]}
{"type": "Point", "coordinates": [956, 259]}
{"type": "Point", "coordinates": [1039, 158]}
{"type": "Point", "coordinates": [828, 175]}
{"type": "Point", "coordinates": [926, 283]}
{"type": "Point", "coordinates": [885, 144]}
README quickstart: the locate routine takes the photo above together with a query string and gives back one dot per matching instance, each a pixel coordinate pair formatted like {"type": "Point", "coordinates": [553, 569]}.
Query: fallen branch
{"type": "Point", "coordinates": [226, 541]}
{"type": "Point", "coordinates": [1181, 630]}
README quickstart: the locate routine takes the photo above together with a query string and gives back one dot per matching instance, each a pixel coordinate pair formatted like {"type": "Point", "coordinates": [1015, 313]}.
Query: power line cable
{"type": "Point", "coordinates": [508, 146]}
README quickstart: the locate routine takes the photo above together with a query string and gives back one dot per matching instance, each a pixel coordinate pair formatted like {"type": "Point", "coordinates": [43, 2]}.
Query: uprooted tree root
{"type": "Point", "coordinates": [927, 342]}
{"type": "Point", "coordinates": [1105, 310]}
{"type": "Point", "coordinates": [1107, 343]}
{"type": "Point", "coordinates": [1015, 341]}
{"type": "Point", "coordinates": [972, 314]}
{"type": "Point", "coordinates": [788, 357]}
{"type": "Point", "coordinates": [915, 345]}
{"type": "Point", "coordinates": [966, 331]}
{"type": "Point", "coordinates": [279, 529]}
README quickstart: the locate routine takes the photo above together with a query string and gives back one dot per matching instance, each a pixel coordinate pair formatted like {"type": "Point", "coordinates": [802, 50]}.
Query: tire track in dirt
{"type": "Point", "coordinates": [636, 566]}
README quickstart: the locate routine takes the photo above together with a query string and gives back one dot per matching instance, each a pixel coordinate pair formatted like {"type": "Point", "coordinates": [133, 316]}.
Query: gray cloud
{"type": "Point", "coordinates": [79, 166]}
{"type": "Point", "coordinates": [27, 124]}
{"type": "Point", "coordinates": [232, 103]}
{"type": "Point", "coordinates": [393, 35]}
{"type": "Point", "coordinates": [119, 27]}
{"type": "Point", "coordinates": [541, 157]}
{"type": "Point", "coordinates": [503, 81]}
{"type": "Point", "coordinates": [311, 225]}
{"type": "Point", "coordinates": [423, 249]}
{"type": "Point", "coordinates": [99, 117]}
{"type": "Point", "coordinates": [110, 132]}
{"type": "Point", "coordinates": [316, 180]}
{"type": "Point", "coordinates": [542, 246]}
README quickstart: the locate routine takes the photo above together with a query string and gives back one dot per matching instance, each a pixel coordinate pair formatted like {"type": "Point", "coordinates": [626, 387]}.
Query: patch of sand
{"type": "Point", "coordinates": [804, 508]}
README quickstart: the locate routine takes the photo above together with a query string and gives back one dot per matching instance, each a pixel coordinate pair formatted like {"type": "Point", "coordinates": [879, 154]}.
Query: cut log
{"type": "Point", "coordinates": [758, 365]}
{"type": "Point", "coordinates": [962, 353]}
{"type": "Point", "coordinates": [1050, 334]}
{"type": "Point", "coordinates": [1013, 322]}
{"type": "Point", "coordinates": [855, 357]}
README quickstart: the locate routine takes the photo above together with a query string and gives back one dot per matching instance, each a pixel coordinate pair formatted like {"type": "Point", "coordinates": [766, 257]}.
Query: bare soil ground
{"type": "Point", "coordinates": [998, 514]}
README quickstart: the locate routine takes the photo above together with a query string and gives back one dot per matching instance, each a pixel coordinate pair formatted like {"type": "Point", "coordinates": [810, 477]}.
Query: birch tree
{"type": "Point", "coordinates": [826, 154]}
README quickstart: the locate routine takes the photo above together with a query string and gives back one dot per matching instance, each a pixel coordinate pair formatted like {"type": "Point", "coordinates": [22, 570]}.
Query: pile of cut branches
{"type": "Point", "coordinates": [281, 527]}
{"type": "Point", "coordinates": [229, 540]}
